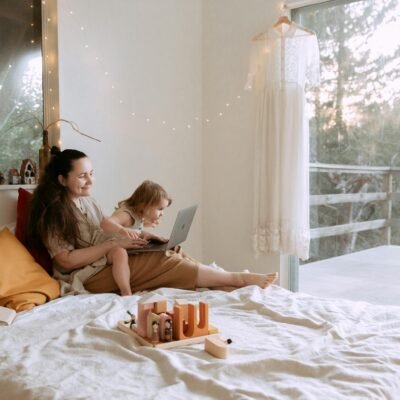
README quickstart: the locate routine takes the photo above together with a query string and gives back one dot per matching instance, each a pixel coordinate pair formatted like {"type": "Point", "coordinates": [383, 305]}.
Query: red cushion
{"type": "Point", "coordinates": [39, 251]}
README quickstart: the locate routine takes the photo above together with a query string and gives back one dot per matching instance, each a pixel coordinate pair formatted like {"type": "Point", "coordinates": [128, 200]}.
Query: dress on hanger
{"type": "Point", "coordinates": [281, 65]}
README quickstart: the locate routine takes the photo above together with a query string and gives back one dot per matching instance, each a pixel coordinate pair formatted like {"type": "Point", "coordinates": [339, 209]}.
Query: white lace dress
{"type": "Point", "coordinates": [280, 67]}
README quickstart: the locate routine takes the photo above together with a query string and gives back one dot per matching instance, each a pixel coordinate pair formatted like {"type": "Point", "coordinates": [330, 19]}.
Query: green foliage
{"type": "Point", "coordinates": [356, 112]}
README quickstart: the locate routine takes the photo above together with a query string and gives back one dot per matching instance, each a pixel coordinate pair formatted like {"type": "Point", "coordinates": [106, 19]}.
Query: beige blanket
{"type": "Point", "coordinates": [285, 346]}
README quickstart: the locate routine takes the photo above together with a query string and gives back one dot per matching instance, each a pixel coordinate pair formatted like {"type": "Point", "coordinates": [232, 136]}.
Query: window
{"type": "Point", "coordinates": [354, 125]}
{"type": "Point", "coordinates": [21, 97]}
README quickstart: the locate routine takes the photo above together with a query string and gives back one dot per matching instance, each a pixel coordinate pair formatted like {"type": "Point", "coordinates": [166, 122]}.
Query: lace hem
{"type": "Point", "coordinates": [294, 242]}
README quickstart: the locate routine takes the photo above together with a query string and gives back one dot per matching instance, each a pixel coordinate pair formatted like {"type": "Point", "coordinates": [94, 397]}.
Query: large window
{"type": "Point", "coordinates": [354, 125]}
{"type": "Point", "coordinates": [21, 95]}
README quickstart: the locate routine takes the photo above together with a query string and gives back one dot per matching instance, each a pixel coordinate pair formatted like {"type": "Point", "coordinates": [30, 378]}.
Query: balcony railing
{"type": "Point", "coordinates": [387, 196]}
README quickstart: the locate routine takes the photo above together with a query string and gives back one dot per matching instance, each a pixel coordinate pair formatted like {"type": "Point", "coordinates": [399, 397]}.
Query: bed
{"type": "Point", "coordinates": [284, 346]}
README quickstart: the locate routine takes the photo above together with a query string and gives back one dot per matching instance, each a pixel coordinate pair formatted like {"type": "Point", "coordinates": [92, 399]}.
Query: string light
{"type": "Point", "coordinates": [133, 114]}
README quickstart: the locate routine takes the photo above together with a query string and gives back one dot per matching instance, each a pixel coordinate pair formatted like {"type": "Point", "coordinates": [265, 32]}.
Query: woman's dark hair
{"type": "Point", "coordinates": [51, 210]}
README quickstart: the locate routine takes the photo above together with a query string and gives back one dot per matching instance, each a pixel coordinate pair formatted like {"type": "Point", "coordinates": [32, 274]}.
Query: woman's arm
{"type": "Point", "coordinates": [119, 223]}
{"type": "Point", "coordinates": [78, 258]}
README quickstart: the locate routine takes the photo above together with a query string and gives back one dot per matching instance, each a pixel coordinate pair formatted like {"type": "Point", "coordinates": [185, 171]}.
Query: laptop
{"type": "Point", "coordinates": [178, 235]}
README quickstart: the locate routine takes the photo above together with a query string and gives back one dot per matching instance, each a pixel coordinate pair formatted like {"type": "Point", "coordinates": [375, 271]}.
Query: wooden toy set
{"type": "Point", "coordinates": [157, 327]}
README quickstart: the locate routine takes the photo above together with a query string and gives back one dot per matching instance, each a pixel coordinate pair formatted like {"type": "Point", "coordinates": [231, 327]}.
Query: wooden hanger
{"type": "Point", "coordinates": [283, 20]}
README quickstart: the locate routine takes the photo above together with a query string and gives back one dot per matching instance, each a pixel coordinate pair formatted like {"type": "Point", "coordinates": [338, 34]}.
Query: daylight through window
{"type": "Point", "coordinates": [354, 126]}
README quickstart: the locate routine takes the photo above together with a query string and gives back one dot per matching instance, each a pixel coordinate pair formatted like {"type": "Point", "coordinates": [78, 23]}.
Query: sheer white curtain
{"type": "Point", "coordinates": [281, 66]}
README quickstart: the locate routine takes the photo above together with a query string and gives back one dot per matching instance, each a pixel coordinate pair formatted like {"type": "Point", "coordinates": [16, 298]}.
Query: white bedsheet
{"type": "Point", "coordinates": [285, 346]}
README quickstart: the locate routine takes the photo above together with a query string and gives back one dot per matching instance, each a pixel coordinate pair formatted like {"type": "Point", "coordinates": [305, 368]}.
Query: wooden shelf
{"type": "Point", "coordinates": [16, 187]}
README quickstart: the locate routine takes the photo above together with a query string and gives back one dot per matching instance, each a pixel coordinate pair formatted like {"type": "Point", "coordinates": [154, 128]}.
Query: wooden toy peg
{"type": "Point", "coordinates": [160, 307]}
{"type": "Point", "coordinates": [198, 328]}
{"type": "Point", "coordinates": [185, 307]}
{"type": "Point", "coordinates": [216, 346]}
{"type": "Point", "coordinates": [193, 328]}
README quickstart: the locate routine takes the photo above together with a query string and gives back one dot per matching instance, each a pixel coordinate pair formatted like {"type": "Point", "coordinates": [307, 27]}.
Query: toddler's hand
{"type": "Point", "coordinates": [128, 243]}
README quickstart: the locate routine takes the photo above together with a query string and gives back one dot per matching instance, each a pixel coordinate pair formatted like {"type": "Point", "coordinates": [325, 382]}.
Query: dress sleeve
{"type": "Point", "coordinates": [255, 62]}
{"type": "Point", "coordinates": [313, 61]}
{"type": "Point", "coordinates": [55, 245]}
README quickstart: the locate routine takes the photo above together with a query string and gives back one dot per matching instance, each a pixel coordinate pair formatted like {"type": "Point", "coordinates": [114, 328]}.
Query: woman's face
{"type": "Point", "coordinates": [80, 179]}
{"type": "Point", "coordinates": [153, 214]}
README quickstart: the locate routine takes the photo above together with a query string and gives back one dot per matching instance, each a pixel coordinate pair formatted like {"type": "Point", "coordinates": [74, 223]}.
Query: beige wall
{"type": "Point", "coordinates": [152, 52]}
{"type": "Point", "coordinates": [228, 145]}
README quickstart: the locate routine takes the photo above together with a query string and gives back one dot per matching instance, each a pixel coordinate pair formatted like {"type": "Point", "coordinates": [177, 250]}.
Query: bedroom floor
{"type": "Point", "coordinates": [371, 275]}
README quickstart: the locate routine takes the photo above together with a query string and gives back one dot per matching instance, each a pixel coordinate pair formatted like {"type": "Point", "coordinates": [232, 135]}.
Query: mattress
{"type": "Point", "coordinates": [284, 346]}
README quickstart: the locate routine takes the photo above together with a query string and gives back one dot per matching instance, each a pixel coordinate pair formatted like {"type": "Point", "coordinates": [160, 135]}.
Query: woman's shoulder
{"type": "Point", "coordinates": [89, 201]}
{"type": "Point", "coordinates": [90, 204]}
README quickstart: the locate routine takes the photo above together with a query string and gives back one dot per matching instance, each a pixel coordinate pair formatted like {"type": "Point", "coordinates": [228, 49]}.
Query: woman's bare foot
{"type": "Point", "coordinates": [126, 292]}
{"type": "Point", "coordinates": [261, 280]}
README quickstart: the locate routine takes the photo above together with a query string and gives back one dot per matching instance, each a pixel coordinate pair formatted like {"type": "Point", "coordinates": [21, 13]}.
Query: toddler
{"type": "Point", "coordinates": [144, 208]}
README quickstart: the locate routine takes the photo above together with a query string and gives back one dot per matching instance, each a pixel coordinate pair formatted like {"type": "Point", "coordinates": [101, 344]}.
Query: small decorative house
{"type": "Point", "coordinates": [28, 172]}
{"type": "Point", "coordinates": [13, 176]}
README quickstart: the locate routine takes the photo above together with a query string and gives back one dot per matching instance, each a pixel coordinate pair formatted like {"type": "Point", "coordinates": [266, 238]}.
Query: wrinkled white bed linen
{"type": "Point", "coordinates": [285, 346]}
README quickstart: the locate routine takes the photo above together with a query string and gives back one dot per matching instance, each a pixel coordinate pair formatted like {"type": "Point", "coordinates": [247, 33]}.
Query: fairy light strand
{"type": "Point", "coordinates": [173, 127]}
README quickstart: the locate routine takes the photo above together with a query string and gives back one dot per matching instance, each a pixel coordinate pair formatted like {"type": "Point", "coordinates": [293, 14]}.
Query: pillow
{"type": "Point", "coordinates": [38, 251]}
{"type": "Point", "coordinates": [23, 283]}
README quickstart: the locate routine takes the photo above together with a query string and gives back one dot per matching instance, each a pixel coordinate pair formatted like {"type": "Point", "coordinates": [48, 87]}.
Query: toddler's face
{"type": "Point", "coordinates": [153, 214]}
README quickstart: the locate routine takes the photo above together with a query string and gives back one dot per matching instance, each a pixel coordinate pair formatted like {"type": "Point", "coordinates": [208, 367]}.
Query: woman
{"type": "Point", "coordinates": [68, 220]}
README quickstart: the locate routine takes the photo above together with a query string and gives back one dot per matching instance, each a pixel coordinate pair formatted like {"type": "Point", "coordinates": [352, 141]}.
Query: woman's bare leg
{"type": "Point", "coordinates": [210, 277]}
{"type": "Point", "coordinates": [118, 257]}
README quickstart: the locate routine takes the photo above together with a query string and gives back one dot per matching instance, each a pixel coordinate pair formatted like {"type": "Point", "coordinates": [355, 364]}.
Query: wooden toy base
{"type": "Point", "coordinates": [124, 326]}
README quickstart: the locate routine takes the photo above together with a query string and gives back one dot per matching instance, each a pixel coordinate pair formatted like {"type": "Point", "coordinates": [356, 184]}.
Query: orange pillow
{"type": "Point", "coordinates": [23, 283]}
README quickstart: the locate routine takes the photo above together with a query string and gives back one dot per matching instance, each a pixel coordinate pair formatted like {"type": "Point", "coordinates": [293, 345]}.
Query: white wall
{"type": "Point", "coordinates": [228, 145]}
{"type": "Point", "coordinates": [152, 52]}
